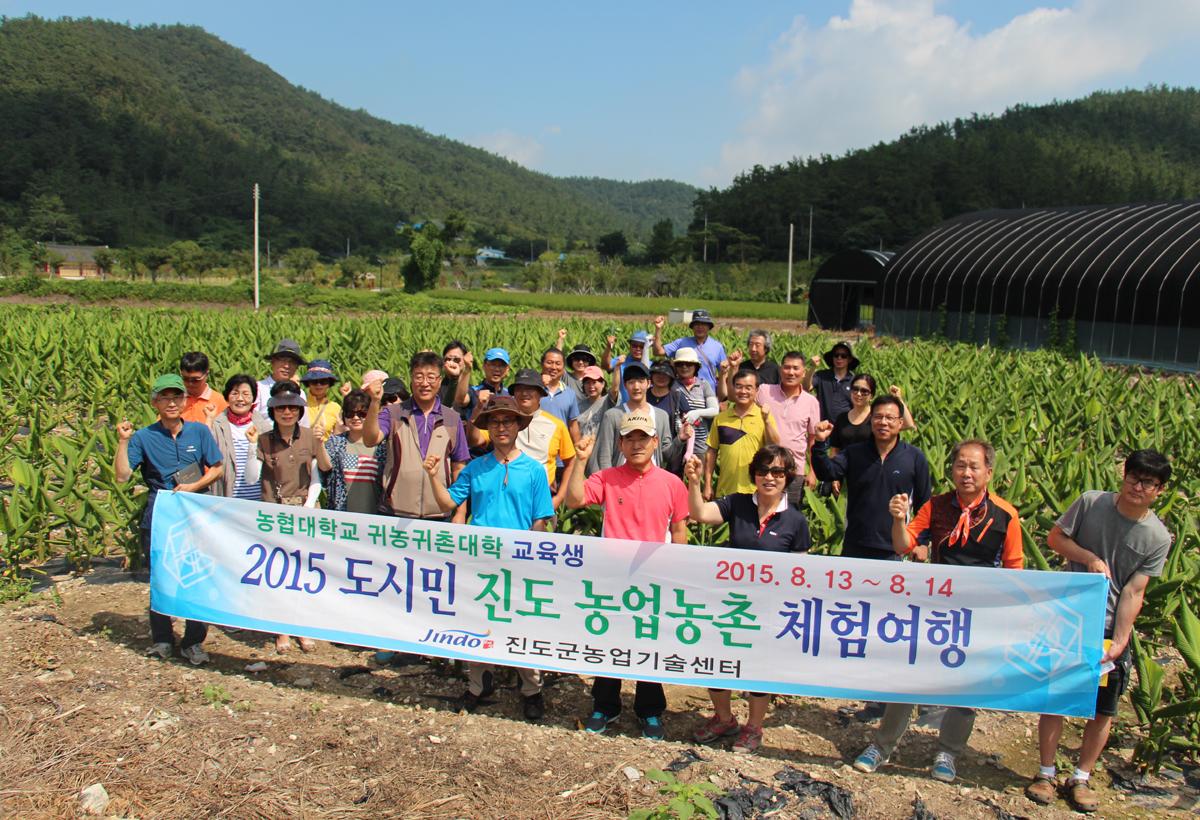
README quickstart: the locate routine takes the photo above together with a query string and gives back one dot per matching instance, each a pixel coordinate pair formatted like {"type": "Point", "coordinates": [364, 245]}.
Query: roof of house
{"type": "Point", "coordinates": [76, 254]}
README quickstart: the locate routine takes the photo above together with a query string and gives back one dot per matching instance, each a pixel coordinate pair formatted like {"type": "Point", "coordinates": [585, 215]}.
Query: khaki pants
{"type": "Point", "coordinates": [957, 724]}
{"type": "Point", "coordinates": [531, 679]}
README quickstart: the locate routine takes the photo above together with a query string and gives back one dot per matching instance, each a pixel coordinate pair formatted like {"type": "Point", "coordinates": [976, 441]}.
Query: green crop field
{"type": "Point", "coordinates": [628, 305]}
{"type": "Point", "coordinates": [1060, 426]}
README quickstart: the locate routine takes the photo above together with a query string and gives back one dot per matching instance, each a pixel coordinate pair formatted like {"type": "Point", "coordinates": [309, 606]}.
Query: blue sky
{"type": "Point", "coordinates": [696, 92]}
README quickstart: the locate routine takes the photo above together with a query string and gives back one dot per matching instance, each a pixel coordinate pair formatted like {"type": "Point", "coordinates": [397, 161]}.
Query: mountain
{"type": "Point", "coordinates": [158, 133]}
{"type": "Point", "coordinates": [1108, 148]}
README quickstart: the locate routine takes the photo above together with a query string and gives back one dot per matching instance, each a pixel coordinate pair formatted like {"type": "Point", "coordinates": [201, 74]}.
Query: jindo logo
{"type": "Point", "coordinates": [459, 637]}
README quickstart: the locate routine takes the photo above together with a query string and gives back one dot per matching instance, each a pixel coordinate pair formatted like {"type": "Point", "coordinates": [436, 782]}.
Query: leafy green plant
{"type": "Point", "coordinates": [215, 695]}
{"type": "Point", "coordinates": [684, 800]}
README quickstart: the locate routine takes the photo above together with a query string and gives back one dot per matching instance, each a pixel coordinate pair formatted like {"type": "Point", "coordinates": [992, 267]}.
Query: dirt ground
{"type": "Point", "coordinates": [335, 735]}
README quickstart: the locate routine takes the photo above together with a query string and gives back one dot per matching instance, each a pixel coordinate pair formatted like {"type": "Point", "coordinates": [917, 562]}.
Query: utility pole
{"type": "Point", "coordinates": [791, 244]}
{"type": "Point", "coordinates": [256, 247]}
{"type": "Point", "coordinates": [810, 212]}
{"type": "Point", "coordinates": [706, 240]}
{"type": "Point", "coordinates": [268, 254]}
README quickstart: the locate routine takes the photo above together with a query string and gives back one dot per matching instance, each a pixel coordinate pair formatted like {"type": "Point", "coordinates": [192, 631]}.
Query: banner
{"type": "Point", "coordinates": [788, 623]}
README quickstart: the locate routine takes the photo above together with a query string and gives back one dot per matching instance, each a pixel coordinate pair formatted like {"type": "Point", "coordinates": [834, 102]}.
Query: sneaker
{"type": "Point", "coordinates": [943, 767]}
{"type": "Point", "coordinates": [1082, 796]}
{"type": "Point", "coordinates": [196, 654]}
{"type": "Point", "coordinates": [468, 702]}
{"type": "Point", "coordinates": [535, 707]}
{"type": "Point", "coordinates": [749, 740]}
{"type": "Point", "coordinates": [162, 650]}
{"type": "Point", "coordinates": [716, 728]}
{"type": "Point", "coordinates": [1042, 790]}
{"type": "Point", "coordinates": [597, 723]}
{"type": "Point", "coordinates": [870, 760]}
{"type": "Point", "coordinates": [652, 727]}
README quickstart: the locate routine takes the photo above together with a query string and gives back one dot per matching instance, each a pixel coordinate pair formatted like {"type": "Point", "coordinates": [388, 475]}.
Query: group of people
{"type": "Point", "coordinates": [652, 434]}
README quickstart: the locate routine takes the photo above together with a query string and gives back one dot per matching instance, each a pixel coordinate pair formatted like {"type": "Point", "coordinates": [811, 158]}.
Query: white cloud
{"type": "Point", "coordinates": [892, 64]}
{"type": "Point", "coordinates": [520, 148]}
{"type": "Point", "coordinates": [552, 129]}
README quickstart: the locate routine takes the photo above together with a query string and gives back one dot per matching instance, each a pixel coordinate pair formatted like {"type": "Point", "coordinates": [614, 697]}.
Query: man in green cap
{"type": "Point", "coordinates": [175, 456]}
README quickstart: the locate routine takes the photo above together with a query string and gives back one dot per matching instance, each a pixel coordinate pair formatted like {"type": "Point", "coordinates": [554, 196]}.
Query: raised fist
{"type": "Point", "coordinates": [431, 465]}
{"type": "Point", "coordinates": [375, 388]}
{"type": "Point", "coordinates": [898, 506]}
{"type": "Point", "coordinates": [318, 434]}
{"type": "Point", "coordinates": [583, 450]}
{"type": "Point", "coordinates": [252, 435]}
{"type": "Point", "coordinates": [816, 361]}
{"type": "Point", "coordinates": [612, 341]}
{"type": "Point", "coordinates": [694, 469]}
{"type": "Point", "coordinates": [895, 391]}
{"type": "Point", "coordinates": [124, 431]}
{"type": "Point", "coordinates": [824, 430]}
{"type": "Point", "coordinates": [735, 358]}
{"type": "Point", "coordinates": [210, 411]}
{"type": "Point", "coordinates": [659, 321]}
{"type": "Point", "coordinates": [468, 361]}
{"type": "Point", "coordinates": [346, 388]}
{"type": "Point", "coordinates": [562, 333]}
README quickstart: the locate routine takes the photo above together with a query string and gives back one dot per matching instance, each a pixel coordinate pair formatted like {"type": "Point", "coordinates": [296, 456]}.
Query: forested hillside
{"type": "Point", "coordinates": [1110, 147]}
{"type": "Point", "coordinates": [158, 133]}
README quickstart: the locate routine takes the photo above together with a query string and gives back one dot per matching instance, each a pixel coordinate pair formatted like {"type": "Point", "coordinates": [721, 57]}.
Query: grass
{"type": "Point", "coordinates": [628, 305]}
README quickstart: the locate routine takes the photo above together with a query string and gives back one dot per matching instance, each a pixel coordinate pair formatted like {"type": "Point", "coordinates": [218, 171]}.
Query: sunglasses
{"type": "Point", "coordinates": [861, 391]}
{"type": "Point", "coordinates": [195, 379]}
{"type": "Point", "coordinates": [841, 356]}
{"type": "Point", "coordinates": [777, 472]}
{"type": "Point", "coordinates": [357, 414]}
{"type": "Point", "coordinates": [390, 398]}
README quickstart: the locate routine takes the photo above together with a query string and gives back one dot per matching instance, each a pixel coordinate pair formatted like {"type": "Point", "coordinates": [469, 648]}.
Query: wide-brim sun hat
{"type": "Point", "coordinates": [701, 315]}
{"type": "Point", "coordinates": [500, 404]}
{"type": "Point", "coordinates": [686, 355]}
{"type": "Point", "coordinates": [319, 370]}
{"type": "Point", "coordinates": [582, 350]}
{"type": "Point", "coordinates": [828, 357]}
{"type": "Point", "coordinates": [289, 348]}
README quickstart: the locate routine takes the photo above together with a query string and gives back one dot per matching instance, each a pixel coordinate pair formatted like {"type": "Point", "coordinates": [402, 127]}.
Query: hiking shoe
{"type": "Point", "coordinates": [1082, 796]}
{"type": "Point", "coordinates": [749, 740]}
{"type": "Point", "coordinates": [943, 767]}
{"type": "Point", "coordinates": [652, 727]}
{"type": "Point", "coordinates": [1042, 790]}
{"type": "Point", "coordinates": [870, 760]}
{"type": "Point", "coordinates": [597, 723]}
{"type": "Point", "coordinates": [162, 650]}
{"type": "Point", "coordinates": [534, 707]}
{"type": "Point", "coordinates": [716, 728]}
{"type": "Point", "coordinates": [196, 654]}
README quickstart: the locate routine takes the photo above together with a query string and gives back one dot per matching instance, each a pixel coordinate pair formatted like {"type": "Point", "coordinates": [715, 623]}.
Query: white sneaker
{"type": "Point", "coordinates": [195, 653]}
{"type": "Point", "coordinates": [162, 650]}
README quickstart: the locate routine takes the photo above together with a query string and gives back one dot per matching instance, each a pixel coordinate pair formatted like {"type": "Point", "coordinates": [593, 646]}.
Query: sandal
{"type": "Point", "coordinates": [283, 644]}
{"type": "Point", "coordinates": [1082, 796]}
{"type": "Point", "coordinates": [307, 645]}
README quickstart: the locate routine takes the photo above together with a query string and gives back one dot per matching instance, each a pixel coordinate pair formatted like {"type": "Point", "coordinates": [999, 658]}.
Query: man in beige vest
{"type": "Point", "coordinates": [416, 428]}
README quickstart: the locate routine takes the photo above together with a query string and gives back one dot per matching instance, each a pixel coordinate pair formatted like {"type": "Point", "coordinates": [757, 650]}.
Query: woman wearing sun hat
{"type": "Point", "coordinates": [695, 398]}
{"type": "Point", "coordinates": [832, 386]}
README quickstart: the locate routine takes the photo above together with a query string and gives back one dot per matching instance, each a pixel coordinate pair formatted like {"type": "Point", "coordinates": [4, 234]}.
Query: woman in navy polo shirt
{"type": "Point", "coordinates": [762, 520]}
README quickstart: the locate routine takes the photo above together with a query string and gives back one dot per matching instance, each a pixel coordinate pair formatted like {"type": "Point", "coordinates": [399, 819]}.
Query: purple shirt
{"type": "Point", "coordinates": [425, 426]}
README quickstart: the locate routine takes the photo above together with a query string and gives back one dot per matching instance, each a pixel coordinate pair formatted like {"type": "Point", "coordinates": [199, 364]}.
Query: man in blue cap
{"type": "Point", "coordinates": [495, 367]}
{"type": "Point", "coordinates": [710, 351]}
{"type": "Point", "coordinates": [174, 456]}
{"type": "Point", "coordinates": [638, 352]}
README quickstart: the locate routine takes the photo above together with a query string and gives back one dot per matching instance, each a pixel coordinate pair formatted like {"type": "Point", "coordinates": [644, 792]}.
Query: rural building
{"type": "Point", "coordinates": [1128, 275]}
{"type": "Point", "coordinates": [484, 254]}
{"type": "Point", "coordinates": [841, 295]}
{"type": "Point", "coordinates": [81, 260]}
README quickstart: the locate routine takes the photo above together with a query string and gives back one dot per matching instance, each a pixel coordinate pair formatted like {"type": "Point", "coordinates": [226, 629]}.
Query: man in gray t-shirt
{"type": "Point", "coordinates": [1117, 534]}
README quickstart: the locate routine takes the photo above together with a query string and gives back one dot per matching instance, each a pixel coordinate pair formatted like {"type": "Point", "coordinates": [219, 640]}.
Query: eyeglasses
{"type": "Point", "coordinates": [840, 356]}
{"type": "Point", "coordinates": [494, 422]}
{"type": "Point", "coordinates": [356, 414]}
{"type": "Point", "coordinates": [172, 399]}
{"type": "Point", "coordinates": [195, 379]}
{"type": "Point", "coordinates": [777, 472]}
{"type": "Point", "coordinates": [1143, 483]}
{"type": "Point", "coordinates": [861, 391]}
{"type": "Point", "coordinates": [426, 379]}
{"type": "Point", "coordinates": [886, 419]}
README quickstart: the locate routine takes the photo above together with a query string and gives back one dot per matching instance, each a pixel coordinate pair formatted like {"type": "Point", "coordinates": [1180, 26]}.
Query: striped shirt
{"type": "Point", "coordinates": [241, 451]}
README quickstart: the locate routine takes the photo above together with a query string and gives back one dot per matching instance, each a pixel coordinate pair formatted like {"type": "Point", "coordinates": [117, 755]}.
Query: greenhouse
{"type": "Point", "coordinates": [841, 295]}
{"type": "Point", "coordinates": [1117, 281]}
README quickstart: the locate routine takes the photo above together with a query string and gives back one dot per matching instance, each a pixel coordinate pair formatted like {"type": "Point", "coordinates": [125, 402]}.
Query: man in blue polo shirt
{"type": "Point", "coordinates": [175, 455]}
{"type": "Point", "coordinates": [507, 489]}
{"type": "Point", "coordinates": [710, 351]}
{"type": "Point", "coordinates": [872, 472]}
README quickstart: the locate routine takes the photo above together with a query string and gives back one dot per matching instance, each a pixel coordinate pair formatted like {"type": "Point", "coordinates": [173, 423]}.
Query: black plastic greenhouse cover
{"type": "Point", "coordinates": [1126, 275]}
{"type": "Point", "coordinates": [841, 295]}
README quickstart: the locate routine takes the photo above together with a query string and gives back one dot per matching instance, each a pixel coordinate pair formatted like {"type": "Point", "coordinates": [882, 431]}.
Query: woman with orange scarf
{"type": "Point", "coordinates": [968, 526]}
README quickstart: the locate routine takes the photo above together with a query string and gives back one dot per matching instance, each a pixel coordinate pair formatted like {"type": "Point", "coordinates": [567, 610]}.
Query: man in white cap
{"type": "Point", "coordinates": [669, 450]}
{"type": "Point", "coordinates": [641, 502]}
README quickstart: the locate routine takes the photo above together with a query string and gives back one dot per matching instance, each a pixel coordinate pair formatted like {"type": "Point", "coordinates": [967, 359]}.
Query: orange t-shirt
{"type": "Point", "coordinates": [194, 411]}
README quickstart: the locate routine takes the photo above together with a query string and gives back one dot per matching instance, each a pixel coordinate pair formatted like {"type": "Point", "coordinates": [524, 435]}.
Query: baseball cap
{"type": "Point", "coordinates": [529, 378]}
{"type": "Point", "coordinates": [640, 336]}
{"type": "Point", "coordinates": [634, 370]}
{"type": "Point", "coordinates": [287, 347]}
{"type": "Point", "coordinates": [593, 372]}
{"type": "Point", "coordinates": [497, 353]}
{"type": "Point", "coordinates": [638, 420]}
{"type": "Point", "coordinates": [373, 375]}
{"type": "Point", "coordinates": [663, 368]}
{"type": "Point", "coordinates": [171, 381]}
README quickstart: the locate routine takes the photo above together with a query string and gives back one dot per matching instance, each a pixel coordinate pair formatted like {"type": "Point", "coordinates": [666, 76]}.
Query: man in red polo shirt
{"type": "Point", "coordinates": [642, 502]}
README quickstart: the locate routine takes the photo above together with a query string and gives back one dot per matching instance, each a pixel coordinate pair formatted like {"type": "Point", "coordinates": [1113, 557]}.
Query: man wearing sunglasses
{"type": "Point", "coordinates": [1119, 535]}
{"type": "Point", "coordinates": [174, 456]}
{"type": "Point", "coordinates": [193, 367]}
{"type": "Point", "coordinates": [832, 386]}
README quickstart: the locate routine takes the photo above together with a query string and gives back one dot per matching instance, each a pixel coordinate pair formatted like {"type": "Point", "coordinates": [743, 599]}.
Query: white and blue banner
{"type": "Point", "coordinates": [787, 623]}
